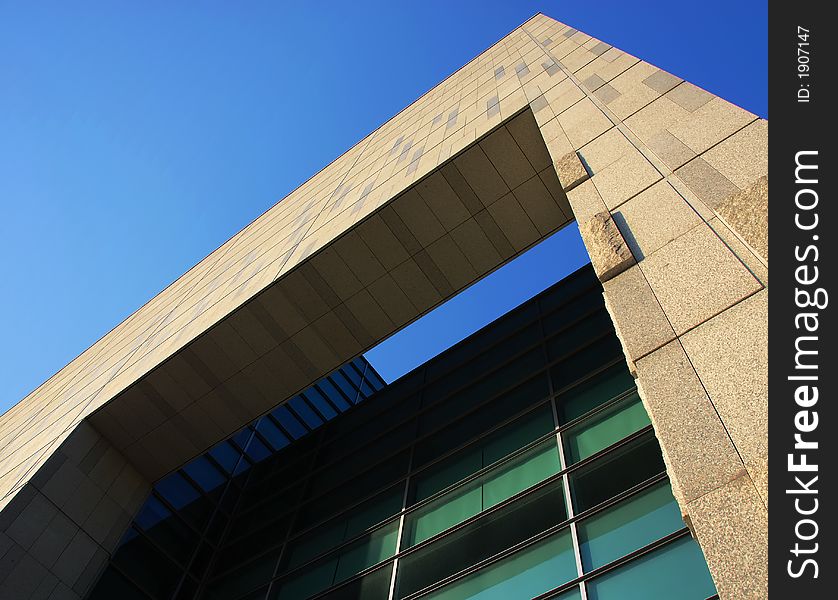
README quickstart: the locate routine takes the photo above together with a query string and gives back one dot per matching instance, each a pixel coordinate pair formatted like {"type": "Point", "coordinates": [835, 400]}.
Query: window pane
{"type": "Point", "coordinates": [494, 487]}
{"type": "Point", "coordinates": [342, 564]}
{"type": "Point", "coordinates": [373, 586]}
{"type": "Point", "coordinates": [640, 520]}
{"type": "Point", "coordinates": [605, 428]}
{"type": "Point", "coordinates": [525, 574]}
{"type": "Point", "coordinates": [677, 570]}
{"type": "Point", "coordinates": [616, 472]}
{"type": "Point", "coordinates": [488, 535]}
{"type": "Point", "coordinates": [490, 449]}
{"type": "Point", "coordinates": [583, 398]}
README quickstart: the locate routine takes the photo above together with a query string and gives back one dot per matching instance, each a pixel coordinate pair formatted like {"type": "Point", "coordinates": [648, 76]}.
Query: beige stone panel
{"type": "Point", "coordinates": [743, 157]}
{"type": "Point", "coordinates": [700, 455]}
{"type": "Point", "coordinates": [654, 218]}
{"type": "Point", "coordinates": [731, 525]}
{"type": "Point", "coordinates": [710, 124]}
{"type": "Point", "coordinates": [695, 277]}
{"type": "Point", "coordinates": [625, 178]}
{"type": "Point", "coordinates": [730, 354]}
{"type": "Point", "coordinates": [639, 320]}
{"type": "Point", "coordinates": [634, 92]}
{"type": "Point", "coordinates": [562, 96]}
{"type": "Point", "coordinates": [656, 117]}
{"type": "Point", "coordinates": [669, 149]}
{"type": "Point", "coordinates": [583, 121]}
{"type": "Point", "coordinates": [382, 241]}
{"type": "Point", "coordinates": [585, 202]}
{"type": "Point", "coordinates": [540, 206]}
{"type": "Point", "coordinates": [607, 66]}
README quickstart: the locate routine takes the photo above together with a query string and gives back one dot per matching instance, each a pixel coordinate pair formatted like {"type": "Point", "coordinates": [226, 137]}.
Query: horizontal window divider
{"type": "Point", "coordinates": [611, 402]}
{"type": "Point", "coordinates": [615, 564]}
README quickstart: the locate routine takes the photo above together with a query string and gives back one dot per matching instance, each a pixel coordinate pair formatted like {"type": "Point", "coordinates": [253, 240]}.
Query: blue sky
{"type": "Point", "coordinates": [136, 137]}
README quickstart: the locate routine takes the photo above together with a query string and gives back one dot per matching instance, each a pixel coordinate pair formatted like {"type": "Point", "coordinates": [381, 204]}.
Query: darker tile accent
{"type": "Point", "coordinates": [452, 117]}
{"type": "Point", "coordinates": [547, 42]}
{"type": "Point", "coordinates": [400, 230]}
{"type": "Point", "coordinates": [661, 81]}
{"type": "Point", "coordinates": [436, 120]}
{"type": "Point", "coordinates": [689, 97]}
{"type": "Point", "coordinates": [607, 94]}
{"type": "Point", "coordinates": [300, 359]}
{"type": "Point", "coordinates": [320, 285]}
{"type": "Point", "coordinates": [593, 82]}
{"type": "Point", "coordinates": [433, 273]}
{"type": "Point", "coordinates": [494, 233]}
{"type": "Point", "coordinates": [353, 325]}
{"type": "Point", "coordinates": [492, 106]}
{"type": "Point", "coordinates": [461, 187]}
{"type": "Point", "coordinates": [522, 69]}
{"type": "Point", "coordinates": [600, 49]}
{"type": "Point", "coordinates": [414, 162]}
{"type": "Point", "coordinates": [397, 144]}
{"type": "Point", "coordinates": [537, 104]}
{"type": "Point", "coordinates": [570, 32]}
{"type": "Point", "coordinates": [708, 184]}
{"type": "Point", "coordinates": [405, 150]}
{"type": "Point", "coordinates": [552, 69]}
{"type": "Point", "coordinates": [366, 191]}
{"type": "Point", "coordinates": [499, 72]}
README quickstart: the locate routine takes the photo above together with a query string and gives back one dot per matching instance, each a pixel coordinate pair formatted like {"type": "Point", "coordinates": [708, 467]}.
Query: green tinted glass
{"type": "Point", "coordinates": [635, 522]}
{"type": "Point", "coordinates": [583, 398]}
{"type": "Point", "coordinates": [605, 428]}
{"type": "Point", "coordinates": [500, 483]}
{"type": "Point", "coordinates": [525, 574]}
{"type": "Point", "coordinates": [677, 570]}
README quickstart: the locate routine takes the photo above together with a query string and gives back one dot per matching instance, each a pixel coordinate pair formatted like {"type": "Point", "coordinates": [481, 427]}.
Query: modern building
{"type": "Point", "coordinates": [226, 440]}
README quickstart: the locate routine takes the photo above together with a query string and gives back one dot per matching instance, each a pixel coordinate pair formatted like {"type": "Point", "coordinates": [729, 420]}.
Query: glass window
{"type": "Point", "coordinates": [167, 530]}
{"type": "Point", "coordinates": [490, 449]}
{"type": "Point", "coordinates": [372, 586]}
{"type": "Point", "coordinates": [503, 482]}
{"type": "Point", "coordinates": [526, 574]}
{"type": "Point", "coordinates": [631, 524]}
{"type": "Point", "coordinates": [488, 535]}
{"type": "Point", "coordinates": [579, 334]}
{"type": "Point", "coordinates": [272, 434]}
{"type": "Point", "coordinates": [320, 403]}
{"type": "Point", "coordinates": [371, 549]}
{"type": "Point", "coordinates": [289, 422]}
{"type": "Point", "coordinates": [570, 312]}
{"type": "Point", "coordinates": [204, 473]}
{"type": "Point", "coordinates": [616, 472]}
{"type": "Point", "coordinates": [302, 408]}
{"type": "Point", "coordinates": [590, 358]}
{"type": "Point", "coordinates": [344, 527]}
{"type": "Point", "coordinates": [603, 429]}
{"type": "Point", "coordinates": [677, 570]}
{"type": "Point", "coordinates": [601, 388]}
{"type": "Point", "coordinates": [226, 455]}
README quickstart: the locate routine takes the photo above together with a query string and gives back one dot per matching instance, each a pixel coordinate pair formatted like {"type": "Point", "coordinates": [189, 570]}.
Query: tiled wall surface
{"type": "Point", "coordinates": [667, 182]}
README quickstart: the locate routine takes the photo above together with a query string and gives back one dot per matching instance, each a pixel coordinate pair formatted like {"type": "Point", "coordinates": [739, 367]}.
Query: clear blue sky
{"type": "Point", "coordinates": [136, 137]}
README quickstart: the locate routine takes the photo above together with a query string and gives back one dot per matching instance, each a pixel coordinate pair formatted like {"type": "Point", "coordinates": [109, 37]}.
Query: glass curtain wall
{"type": "Point", "coordinates": [518, 464]}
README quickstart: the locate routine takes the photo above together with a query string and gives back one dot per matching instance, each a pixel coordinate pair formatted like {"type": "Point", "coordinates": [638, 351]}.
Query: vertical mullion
{"type": "Point", "coordinates": [563, 462]}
